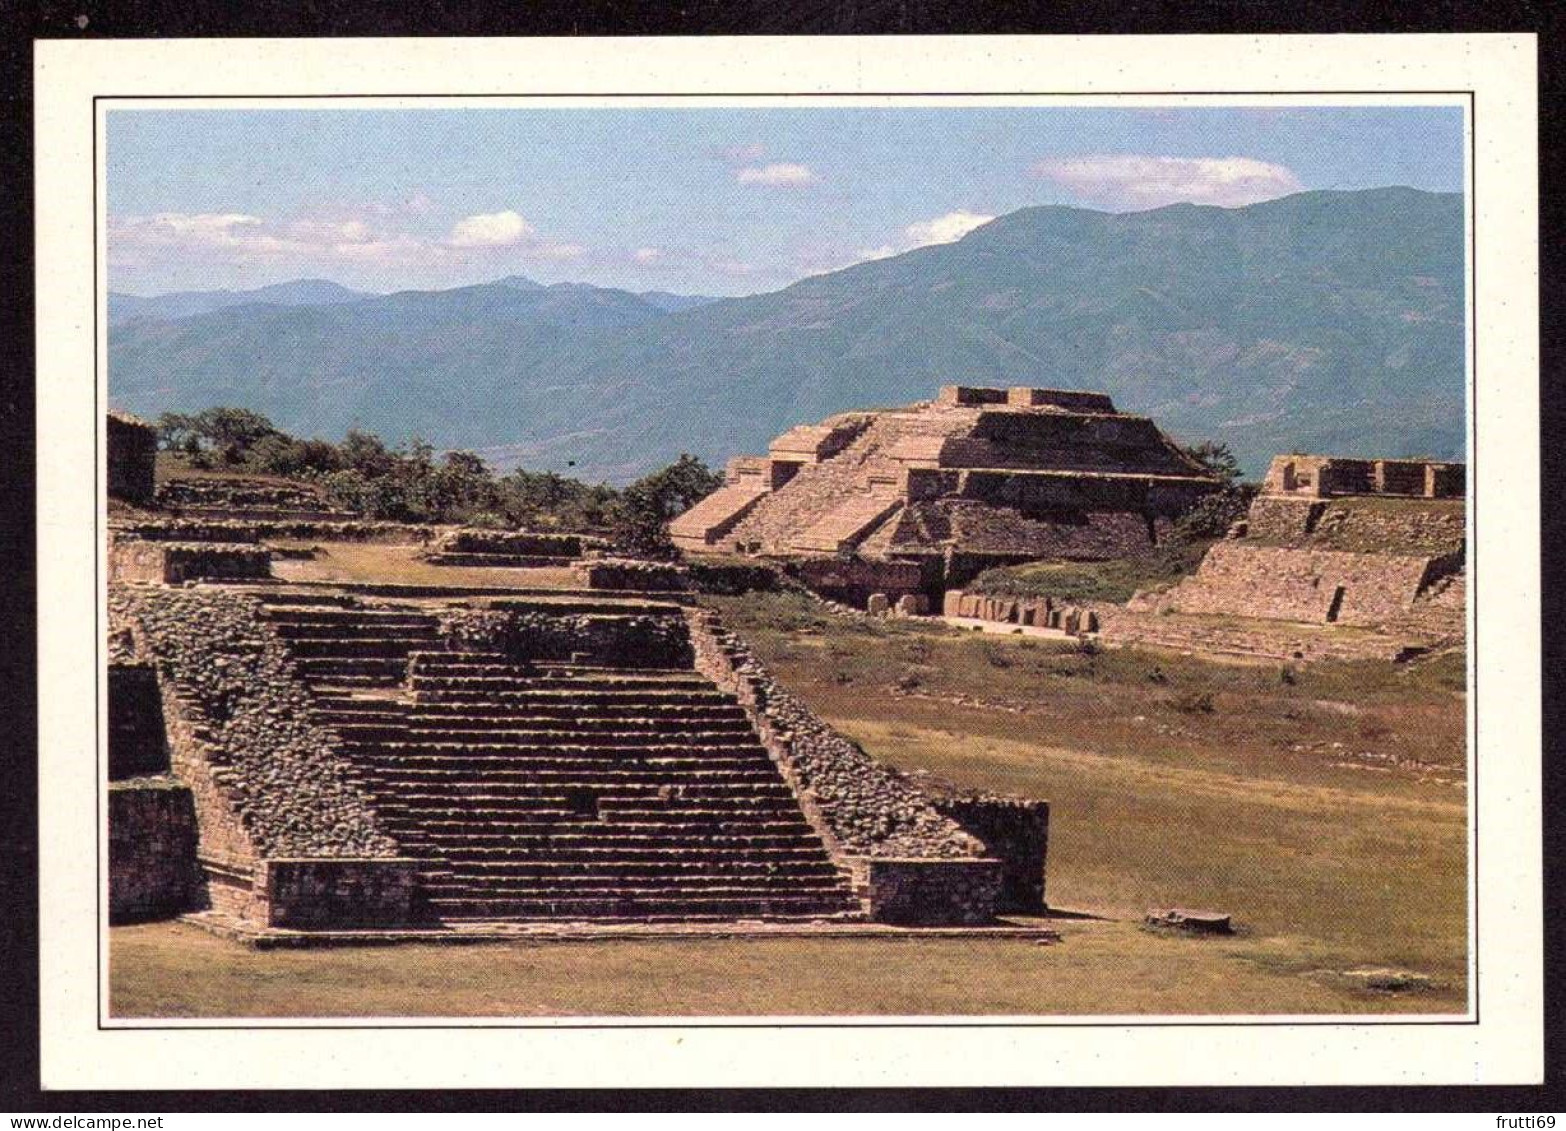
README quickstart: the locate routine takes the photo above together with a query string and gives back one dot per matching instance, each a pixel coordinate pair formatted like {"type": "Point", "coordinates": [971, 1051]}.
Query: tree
{"type": "Point", "coordinates": [1217, 458]}
{"type": "Point", "coordinates": [232, 432]}
{"type": "Point", "coordinates": [640, 523]}
{"type": "Point", "coordinates": [1213, 514]}
{"type": "Point", "coordinates": [177, 433]}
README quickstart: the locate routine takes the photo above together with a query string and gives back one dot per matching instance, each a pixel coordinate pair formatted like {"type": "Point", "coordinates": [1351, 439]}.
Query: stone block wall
{"type": "Point", "coordinates": [206, 529]}
{"type": "Point", "coordinates": [1395, 526]}
{"type": "Point", "coordinates": [1013, 830]}
{"type": "Point", "coordinates": [628, 574]}
{"type": "Point", "coordinates": [132, 457]}
{"type": "Point", "coordinates": [1037, 612]}
{"type": "Point", "coordinates": [860, 807]}
{"type": "Point", "coordinates": [853, 580]}
{"type": "Point", "coordinates": [1314, 586]}
{"type": "Point", "coordinates": [137, 746]}
{"type": "Point", "coordinates": [1312, 476]}
{"type": "Point", "coordinates": [152, 849]}
{"type": "Point", "coordinates": [173, 563]}
{"type": "Point", "coordinates": [525, 542]}
{"type": "Point", "coordinates": [339, 894]}
{"type": "Point", "coordinates": [928, 892]}
{"type": "Point", "coordinates": [657, 638]}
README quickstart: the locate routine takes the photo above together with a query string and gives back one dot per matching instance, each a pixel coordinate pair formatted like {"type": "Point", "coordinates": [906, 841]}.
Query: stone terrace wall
{"type": "Point", "coordinates": [171, 563]}
{"type": "Point", "coordinates": [152, 849]}
{"type": "Point", "coordinates": [628, 574]}
{"type": "Point", "coordinates": [525, 542]}
{"type": "Point", "coordinates": [1281, 583]}
{"type": "Point", "coordinates": [868, 809]}
{"type": "Point", "coordinates": [527, 632]}
{"type": "Point", "coordinates": [1399, 526]}
{"type": "Point", "coordinates": [137, 746]}
{"type": "Point", "coordinates": [237, 698]}
{"type": "Point", "coordinates": [257, 530]}
{"type": "Point", "coordinates": [1015, 831]}
{"type": "Point", "coordinates": [132, 457]}
{"type": "Point", "coordinates": [225, 497]}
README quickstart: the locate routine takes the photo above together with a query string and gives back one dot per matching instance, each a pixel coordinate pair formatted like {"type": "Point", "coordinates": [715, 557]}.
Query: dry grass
{"type": "Point", "coordinates": [172, 970]}
{"type": "Point", "coordinates": [1329, 810]}
{"type": "Point", "coordinates": [401, 565]}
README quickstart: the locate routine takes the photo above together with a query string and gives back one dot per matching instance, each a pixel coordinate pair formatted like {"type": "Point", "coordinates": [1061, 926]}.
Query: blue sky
{"type": "Point", "coordinates": [711, 201]}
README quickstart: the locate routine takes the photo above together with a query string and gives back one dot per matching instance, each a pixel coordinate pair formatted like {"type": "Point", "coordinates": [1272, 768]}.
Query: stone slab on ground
{"type": "Point", "coordinates": [1191, 921]}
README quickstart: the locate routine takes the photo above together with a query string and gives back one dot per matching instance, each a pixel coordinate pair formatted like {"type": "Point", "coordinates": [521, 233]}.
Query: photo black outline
{"type": "Point", "coordinates": [1471, 438]}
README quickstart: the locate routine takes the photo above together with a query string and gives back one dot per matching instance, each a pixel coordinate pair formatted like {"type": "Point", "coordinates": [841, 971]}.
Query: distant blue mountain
{"type": "Point", "coordinates": [182, 304]}
{"type": "Point", "coordinates": [1324, 321]}
{"type": "Point", "coordinates": [673, 303]}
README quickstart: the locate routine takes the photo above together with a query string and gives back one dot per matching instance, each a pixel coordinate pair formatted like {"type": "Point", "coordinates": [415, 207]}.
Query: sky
{"type": "Point", "coordinates": [714, 201]}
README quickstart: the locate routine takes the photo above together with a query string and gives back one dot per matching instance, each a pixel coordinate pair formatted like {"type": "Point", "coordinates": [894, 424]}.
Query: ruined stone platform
{"type": "Point", "coordinates": [976, 477]}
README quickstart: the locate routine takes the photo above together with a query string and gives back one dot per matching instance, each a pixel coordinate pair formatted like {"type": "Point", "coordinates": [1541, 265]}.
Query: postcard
{"type": "Point", "coordinates": [850, 561]}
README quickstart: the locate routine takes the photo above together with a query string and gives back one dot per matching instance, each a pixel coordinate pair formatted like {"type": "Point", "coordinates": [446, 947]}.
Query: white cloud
{"type": "Point", "coordinates": [1129, 181]}
{"type": "Point", "coordinates": [944, 229]}
{"type": "Point", "coordinates": [549, 249]}
{"type": "Point", "coordinates": [740, 154]}
{"type": "Point", "coordinates": [777, 173]}
{"type": "Point", "coordinates": [490, 229]}
{"type": "Point", "coordinates": [647, 255]}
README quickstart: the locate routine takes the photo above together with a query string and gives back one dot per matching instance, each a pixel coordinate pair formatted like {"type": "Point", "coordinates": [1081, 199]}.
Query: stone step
{"type": "Point", "coordinates": [569, 834]}
{"type": "Point", "coordinates": [483, 679]}
{"type": "Point", "coordinates": [540, 737]}
{"type": "Point", "coordinates": [542, 872]}
{"type": "Point", "coordinates": [327, 608]}
{"type": "Point", "coordinates": [462, 711]}
{"type": "Point", "coordinates": [349, 681]}
{"type": "Point", "coordinates": [414, 798]}
{"type": "Point", "coordinates": [582, 699]}
{"type": "Point", "coordinates": [549, 853]}
{"type": "Point", "coordinates": [360, 647]}
{"type": "Point", "coordinates": [681, 907]}
{"type": "Point", "coordinates": [350, 622]}
{"type": "Point", "coordinates": [421, 723]}
{"type": "Point", "coordinates": [286, 602]}
{"type": "Point", "coordinates": [703, 886]}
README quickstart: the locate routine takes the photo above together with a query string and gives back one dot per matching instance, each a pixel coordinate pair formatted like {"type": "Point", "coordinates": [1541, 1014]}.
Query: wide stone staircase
{"type": "Point", "coordinates": [336, 643]}
{"type": "Point", "coordinates": [556, 790]}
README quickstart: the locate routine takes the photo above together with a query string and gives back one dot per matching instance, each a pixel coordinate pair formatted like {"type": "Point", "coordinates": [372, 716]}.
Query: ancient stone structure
{"type": "Point", "coordinates": [132, 456]}
{"type": "Point", "coordinates": [629, 574]}
{"type": "Point", "coordinates": [1032, 612]}
{"type": "Point", "coordinates": [238, 498]}
{"type": "Point", "coordinates": [510, 548]}
{"type": "Point", "coordinates": [136, 559]}
{"type": "Point", "coordinates": [1375, 544]}
{"type": "Point", "coordinates": [1325, 477]}
{"type": "Point", "coordinates": [358, 760]}
{"type": "Point", "coordinates": [977, 477]}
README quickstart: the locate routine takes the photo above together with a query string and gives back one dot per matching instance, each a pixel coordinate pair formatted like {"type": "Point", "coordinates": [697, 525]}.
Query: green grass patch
{"type": "Point", "coordinates": [1112, 582]}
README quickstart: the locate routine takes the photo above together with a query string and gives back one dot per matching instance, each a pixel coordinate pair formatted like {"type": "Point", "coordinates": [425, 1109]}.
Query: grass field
{"type": "Point", "coordinates": [401, 565]}
{"type": "Point", "coordinates": [1323, 807]}
{"type": "Point", "coordinates": [174, 970]}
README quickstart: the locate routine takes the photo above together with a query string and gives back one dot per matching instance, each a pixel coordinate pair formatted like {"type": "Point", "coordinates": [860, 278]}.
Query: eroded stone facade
{"type": "Point", "coordinates": [132, 457]}
{"type": "Point", "coordinates": [1374, 544]}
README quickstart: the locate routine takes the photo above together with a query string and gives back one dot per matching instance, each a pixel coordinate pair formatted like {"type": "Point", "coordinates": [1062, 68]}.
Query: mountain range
{"type": "Point", "coordinates": [1323, 321]}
